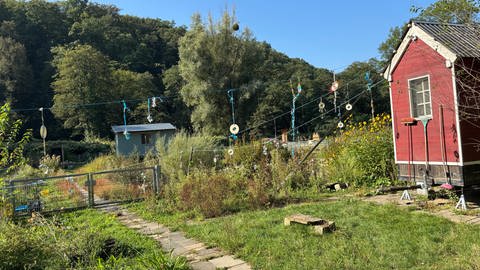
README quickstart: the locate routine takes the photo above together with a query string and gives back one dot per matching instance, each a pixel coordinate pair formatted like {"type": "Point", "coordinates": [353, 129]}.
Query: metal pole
{"type": "Point", "coordinates": [425, 123]}
{"type": "Point", "coordinates": [156, 178]}
{"type": "Point", "coordinates": [91, 201]}
{"type": "Point", "coordinates": [11, 188]}
{"type": "Point", "coordinates": [293, 123]}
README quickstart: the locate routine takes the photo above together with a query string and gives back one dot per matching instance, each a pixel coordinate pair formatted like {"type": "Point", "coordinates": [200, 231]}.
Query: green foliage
{"type": "Point", "coordinates": [83, 240]}
{"type": "Point", "coordinates": [442, 11]}
{"type": "Point", "coordinates": [12, 141]}
{"type": "Point", "coordinates": [83, 76]}
{"type": "Point", "coordinates": [186, 152]}
{"type": "Point", "coordinates": [248, 179]}
{"type": "Point", "coordinates": [214, 58]}
{"type": "Point", "coordinates": [50, 162]}
{"type": "Point", "coordinates": [388, 47]}
{"type": "Point", "coordinates": [25, 247]}
{"type": "Point", "coordinates": [161, 261]}
{"type": "Point", "coordinates": [362, 155]}
{"type": "Point", "coordinates": [30, 29]}
{"type": "Point", "coordinates": [15, 73]}
{"type": "Point", "coordinates": [72, 150]}
{"type": "Point", "coordinates": [368, 236]}
{"type": "Point", "coordinates": [450, 11]}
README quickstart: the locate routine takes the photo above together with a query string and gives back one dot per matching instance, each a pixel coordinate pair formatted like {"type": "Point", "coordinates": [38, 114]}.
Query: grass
{"type": "Point", "coordinates": [369, 236]}
{"type": "Point", "coordinates": [79, 241]}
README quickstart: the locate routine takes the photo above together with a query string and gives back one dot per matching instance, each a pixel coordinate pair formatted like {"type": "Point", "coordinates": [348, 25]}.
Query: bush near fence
{"type": "Point", "coordinates": [73, 150]}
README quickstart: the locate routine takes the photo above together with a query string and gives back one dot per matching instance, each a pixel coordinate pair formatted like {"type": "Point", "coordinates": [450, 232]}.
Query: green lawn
{"type": "Point", "coordinates": [368, 236]}
{"type": "Point", "coordinates": [86, 239]}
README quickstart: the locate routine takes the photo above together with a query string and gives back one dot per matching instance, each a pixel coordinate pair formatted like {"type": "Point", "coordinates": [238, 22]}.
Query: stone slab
{"type": "Point", "coordinates": [203, 266]}
{"type": "Point", "coordinates": [226, 262]}
{"type": "Point", "coordinates": [244, 266]}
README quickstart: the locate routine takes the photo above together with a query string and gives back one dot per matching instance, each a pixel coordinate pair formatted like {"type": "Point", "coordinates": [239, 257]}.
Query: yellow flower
{"type": "Point", "coordinates": [44, 192]}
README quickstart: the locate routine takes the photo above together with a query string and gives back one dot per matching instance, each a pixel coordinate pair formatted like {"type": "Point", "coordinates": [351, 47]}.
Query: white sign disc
{"type": "Point", "coordinates": [340, 124]}
{"type": "Point", "coordinates": [43, 132]}
{"type": "Point", "coordinates": [230, 151]}
{"type": "Point", "coordinates": [348, 107]}
{"type": "Point", "coordinates": [234, 129]}
{"type": "Point", "coordinates": [321, 105]}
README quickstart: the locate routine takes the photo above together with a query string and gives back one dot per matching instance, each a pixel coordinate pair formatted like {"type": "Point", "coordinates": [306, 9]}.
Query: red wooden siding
{"type": "Point", "coordinates": [421, 60]}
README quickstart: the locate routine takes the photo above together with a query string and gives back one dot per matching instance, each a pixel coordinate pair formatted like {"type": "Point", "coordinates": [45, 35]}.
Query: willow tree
{"type": "Point", "coordinates": [214, 58]}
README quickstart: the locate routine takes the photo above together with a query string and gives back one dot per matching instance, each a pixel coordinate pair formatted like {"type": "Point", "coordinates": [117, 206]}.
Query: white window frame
{"type": "Point", "coordinates": [412, 108]}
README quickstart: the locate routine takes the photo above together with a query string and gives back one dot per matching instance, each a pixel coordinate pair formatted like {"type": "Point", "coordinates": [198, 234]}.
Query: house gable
{"type": "Point", "coordinates": [415, 32]}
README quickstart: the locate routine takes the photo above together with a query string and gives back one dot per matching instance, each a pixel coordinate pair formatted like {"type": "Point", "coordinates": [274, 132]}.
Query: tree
{"type": "Point", "coordinates": [443, 11]}
{"type": "Point", "coordinates": [176, 111]}
{"type": "Point", "coordinates": [83, 77]}
{"type": "Point", "coordinates": [213, 60]}
{"type": "Point", "coordinates": [450, 11]}
{"type": "Point", "coordinates": [129, 85]}
{"type": "Point", "coordinates": [15, 73]}
{"type": "Point", "coordinates": [388, 47]}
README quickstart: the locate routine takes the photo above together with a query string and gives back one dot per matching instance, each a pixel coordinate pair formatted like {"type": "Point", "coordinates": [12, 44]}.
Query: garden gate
{"type": "Point", "coordinates": [76, 191]}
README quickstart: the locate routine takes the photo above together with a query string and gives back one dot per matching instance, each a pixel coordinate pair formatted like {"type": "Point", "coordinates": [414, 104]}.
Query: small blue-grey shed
{"type": "Point", "coordinates": [142, 137]}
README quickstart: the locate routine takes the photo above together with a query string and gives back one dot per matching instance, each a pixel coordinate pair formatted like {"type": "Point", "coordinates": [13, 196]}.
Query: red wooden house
{"type": "Point", "coordinates": [434, 78]}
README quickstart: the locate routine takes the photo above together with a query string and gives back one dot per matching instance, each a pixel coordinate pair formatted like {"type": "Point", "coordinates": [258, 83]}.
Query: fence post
{"type": "Point", "coordinates": [90, 190]}
{"type": "Point", "coordinates": [11, 189]}
{"type": "Point", "coordinates": [156, 179]}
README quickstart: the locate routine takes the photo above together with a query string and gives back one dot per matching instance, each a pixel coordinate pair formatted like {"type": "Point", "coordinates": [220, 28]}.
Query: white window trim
{"type": "Point", "coordinates": [430, 116]}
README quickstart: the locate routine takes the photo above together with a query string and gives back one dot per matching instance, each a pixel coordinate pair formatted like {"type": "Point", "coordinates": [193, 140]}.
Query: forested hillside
{"type": "Point", "coordinates": [80, 59]}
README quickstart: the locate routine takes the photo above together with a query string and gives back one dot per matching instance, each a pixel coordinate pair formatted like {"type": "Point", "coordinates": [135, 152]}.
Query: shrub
{"type": "Point", "coordinates": [50, 163]}
{"type": "Point", "coordinates": [177, 158]}
{"type": "Point", "coordinates": [362, 155]}
{"type": "Point", "coordinates": [72, 150]}
{"type": "Point", "coordinates": [210, 194]}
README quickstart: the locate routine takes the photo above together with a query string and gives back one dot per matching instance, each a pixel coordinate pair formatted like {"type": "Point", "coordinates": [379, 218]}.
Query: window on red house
{"type": "Point", "coordinates": [420, 99]}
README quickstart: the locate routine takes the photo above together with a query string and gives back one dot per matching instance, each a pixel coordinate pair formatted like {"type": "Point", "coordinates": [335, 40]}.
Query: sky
{"type": "Point", "coordinates": [329, 34]}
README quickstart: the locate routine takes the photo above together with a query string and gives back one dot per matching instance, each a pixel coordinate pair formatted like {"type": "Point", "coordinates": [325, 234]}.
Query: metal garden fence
{"type": "Point", "coordinates": [77, 191]}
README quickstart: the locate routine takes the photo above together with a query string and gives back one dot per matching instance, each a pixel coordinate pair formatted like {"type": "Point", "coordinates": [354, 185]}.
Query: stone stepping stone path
{"type": "Point", "coordinates": [198, 255]}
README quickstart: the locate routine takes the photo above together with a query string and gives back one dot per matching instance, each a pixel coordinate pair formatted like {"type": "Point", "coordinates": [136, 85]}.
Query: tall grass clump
{"type": "Point", "coordinates": [186, 152]}
{"type": "Point", "coordinates": [362, 154]}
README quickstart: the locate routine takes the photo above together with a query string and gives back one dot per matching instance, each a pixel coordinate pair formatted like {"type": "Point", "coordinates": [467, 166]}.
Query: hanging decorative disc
{"type": "Point", "coordinates": [230, 151]}
{"type": "Point", "coordinates": [321, 106]}
{"type": "Point", "coordinates": [43, 131]}
{"type": "Point", "coordinates": [348, 107]}
{"type": "Point", "coordinates": [334, 86]}
{"type": "Point", "coordinates": [340, 124]}
{"type": "Point", "coordinates": [150, 118]}
{"type": "Point", "coordinates": [154, 102]}
{"type": "Point", "coordinates": [234, 129]}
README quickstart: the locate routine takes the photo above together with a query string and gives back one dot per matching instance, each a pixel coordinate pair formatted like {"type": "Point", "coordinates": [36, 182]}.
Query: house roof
{"type": "Point", "coordinates": [461, 39]}
{"type": "Point", "coordinates": [452, 41]}
{"type": "Point", "coordinates": [144, 127]}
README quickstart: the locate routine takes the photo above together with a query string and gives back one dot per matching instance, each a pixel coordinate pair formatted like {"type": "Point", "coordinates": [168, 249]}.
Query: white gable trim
{"type": "Point", "coordinates": [413, 33]}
